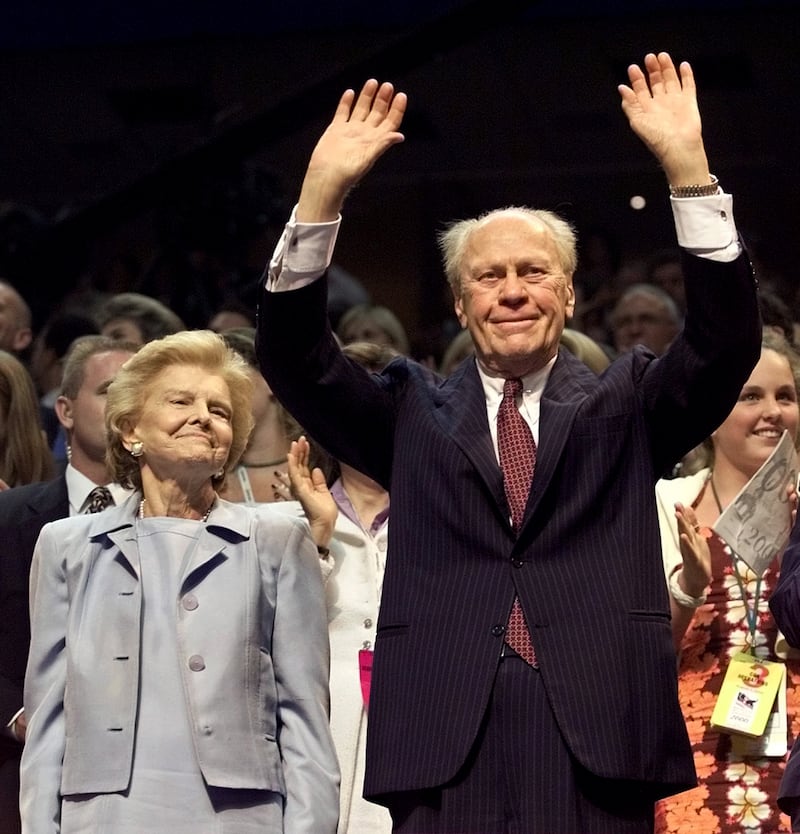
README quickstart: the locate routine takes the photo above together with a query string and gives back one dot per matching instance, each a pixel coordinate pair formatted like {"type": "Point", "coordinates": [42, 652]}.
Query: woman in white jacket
{"type": "Point", "coordinates": [350, 525]}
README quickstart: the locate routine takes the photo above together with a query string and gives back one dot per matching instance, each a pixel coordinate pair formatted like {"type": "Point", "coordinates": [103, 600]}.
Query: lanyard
{"type": "Point", "coordinates": [750, 613]}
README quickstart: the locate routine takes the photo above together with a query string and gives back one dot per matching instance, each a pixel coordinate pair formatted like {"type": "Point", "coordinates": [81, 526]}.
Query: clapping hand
{"type": "Point", "coordinates": [308, 486]}
{"type": "Point", "coordinates": [696, 572]}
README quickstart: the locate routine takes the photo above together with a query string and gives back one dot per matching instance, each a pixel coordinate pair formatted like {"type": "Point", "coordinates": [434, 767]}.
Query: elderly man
{"type": "Point", "coordinates": [90, 365]}
{"type": "Point", "coordinates": [524, 675]}
{"type": "Point", "coordinates": [644, 315]}
{"type": "Point", "coordinates": [15, 320]}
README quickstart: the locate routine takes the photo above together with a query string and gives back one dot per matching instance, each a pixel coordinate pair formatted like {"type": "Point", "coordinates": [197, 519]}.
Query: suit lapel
{"type": "Point", "coordinates": [116, 523]}
{"type": "Point", "coordinates": [51, 502]}
{"type": "Point", "coordinates": [227, 526]}
{"type": "Point", "coordinates": [463, 415]}
{"type": "Point", "coordinates": [561, 398]}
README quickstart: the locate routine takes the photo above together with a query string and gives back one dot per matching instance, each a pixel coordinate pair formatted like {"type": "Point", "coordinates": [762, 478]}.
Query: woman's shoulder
{"type": "Point", "coordinates": [71, 534]}
{"type": "Point", "coordinates": [684, 489]}
{"type": "Point", "coordinates": [271, 516]}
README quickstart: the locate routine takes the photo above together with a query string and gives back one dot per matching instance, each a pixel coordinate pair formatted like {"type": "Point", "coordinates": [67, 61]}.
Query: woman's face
{"type": "Point", "coordinates": [185, 423]}
{"type": "Point", "coordinates": [766, 406]}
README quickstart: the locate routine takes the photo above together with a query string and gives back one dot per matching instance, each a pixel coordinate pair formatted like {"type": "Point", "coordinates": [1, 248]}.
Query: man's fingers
{"type": "Point", "coordinates": [345, 105]}
{"type": "Point", "coordinates": [687, 77]}
{"type": "Point", "coordinates": [667, 72]}
{"type": "Point", "coordinates": [365, 101]}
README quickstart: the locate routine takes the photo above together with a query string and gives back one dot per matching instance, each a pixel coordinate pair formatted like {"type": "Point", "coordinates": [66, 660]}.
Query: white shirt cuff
{"type": "Point", "coordinates": [302, 255]}
{"type": "Point", "coordinates": [705, 226]}
{"type": "Point", "coordinates": [9, 728]}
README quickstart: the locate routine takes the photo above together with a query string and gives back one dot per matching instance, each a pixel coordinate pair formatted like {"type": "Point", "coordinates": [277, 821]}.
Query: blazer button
{"type": "Point", "coordinates": [498, 630]}
{"type": "Point", "coordinates": [517, 563]}
{"type": "Point", "coordinates": [196, 663]}
{"type": "Point", "coordinates": [190, 602]}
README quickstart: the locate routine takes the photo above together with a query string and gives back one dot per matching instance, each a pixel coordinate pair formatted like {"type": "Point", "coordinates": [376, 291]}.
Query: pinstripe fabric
{"type": "Point", "coordinates": [522, 759]}
{"type": "Point", "coordinates": [586, 563]}
{"type": "Point", "coordinates": [785, 606]}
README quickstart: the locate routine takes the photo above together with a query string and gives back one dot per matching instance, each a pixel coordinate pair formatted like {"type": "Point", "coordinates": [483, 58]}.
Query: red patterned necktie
{"type": "Point", "coordinates": [99, 499]}
{"type": "Point", "coordinates": [517, 460]}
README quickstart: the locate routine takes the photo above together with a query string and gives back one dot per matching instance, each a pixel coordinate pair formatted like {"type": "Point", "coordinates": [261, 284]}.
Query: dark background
{"type": "Point", "coordinates": [133, 130]}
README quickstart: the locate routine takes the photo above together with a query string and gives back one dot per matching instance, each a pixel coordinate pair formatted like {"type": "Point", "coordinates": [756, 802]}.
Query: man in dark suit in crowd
{"type": "Point", "coordinates": [90, 366]}
{"type": "Point", "coordinates": [524, 675]}
{"type": "Point", "coordinates": [15, 320]}
{"type": "Point", "coordinates": [785, 606]}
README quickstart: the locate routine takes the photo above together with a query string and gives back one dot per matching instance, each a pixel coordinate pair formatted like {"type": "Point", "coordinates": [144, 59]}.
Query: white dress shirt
{"type": "Point", "coordinates": [79, 487]}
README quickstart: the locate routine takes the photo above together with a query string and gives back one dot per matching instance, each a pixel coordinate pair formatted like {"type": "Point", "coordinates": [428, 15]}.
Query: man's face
{"type": "Point", "coordinates": [514, 296]}
{"type": "Point", "coordinates": [15, 331]}
{"type": "Point", "coordinates": [84, 416]}
{"type": "Point", "coordinates": [642, 320]}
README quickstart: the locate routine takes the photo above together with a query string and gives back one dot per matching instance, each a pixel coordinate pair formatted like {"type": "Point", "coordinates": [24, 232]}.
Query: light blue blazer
{"type": "Point", "coordinates": [253, 642]}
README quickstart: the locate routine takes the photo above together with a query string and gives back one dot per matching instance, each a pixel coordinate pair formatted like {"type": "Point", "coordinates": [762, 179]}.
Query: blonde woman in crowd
{"type": "Point", "coordinates": [719, 607]}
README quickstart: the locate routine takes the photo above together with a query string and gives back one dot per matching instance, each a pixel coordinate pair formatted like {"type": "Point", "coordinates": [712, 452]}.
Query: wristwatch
{"type": "Point", "coordinates": [695, 190]}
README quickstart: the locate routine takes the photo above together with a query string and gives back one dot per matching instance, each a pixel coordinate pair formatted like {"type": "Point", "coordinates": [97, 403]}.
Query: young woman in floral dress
{"type": "Point", "coordinates": [736, 792]}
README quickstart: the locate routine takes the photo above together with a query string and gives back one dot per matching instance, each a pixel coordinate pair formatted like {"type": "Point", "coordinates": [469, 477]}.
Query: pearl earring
{"type": "Point", "coordinates": [137, 448]}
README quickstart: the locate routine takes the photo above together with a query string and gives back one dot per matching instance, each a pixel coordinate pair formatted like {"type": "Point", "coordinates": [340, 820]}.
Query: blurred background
{"type": "Point", "coordinates": [160, 146]}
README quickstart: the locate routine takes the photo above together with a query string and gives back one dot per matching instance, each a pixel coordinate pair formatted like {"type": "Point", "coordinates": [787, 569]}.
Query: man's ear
{"type": "Point", "coordinates": [460, 314]}
{"type": "Point", "coordinates": [22, 338]}
{"type": "Point", "coordinates": [569, 309]}
{"type": "Point", "coordinates": [63, 409]}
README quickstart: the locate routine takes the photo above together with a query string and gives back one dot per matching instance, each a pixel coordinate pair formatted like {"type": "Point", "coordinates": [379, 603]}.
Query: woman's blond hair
{"type": "Point", "coordinates": [126, 394]}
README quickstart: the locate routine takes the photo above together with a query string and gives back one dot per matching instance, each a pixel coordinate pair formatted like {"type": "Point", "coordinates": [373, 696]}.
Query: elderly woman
{"type": "Point", "coordinates": [178, 672]}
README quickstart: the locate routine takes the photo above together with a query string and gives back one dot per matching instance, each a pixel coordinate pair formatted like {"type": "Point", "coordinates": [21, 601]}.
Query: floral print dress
{"type": "Point", "coordinates": [734, 794]}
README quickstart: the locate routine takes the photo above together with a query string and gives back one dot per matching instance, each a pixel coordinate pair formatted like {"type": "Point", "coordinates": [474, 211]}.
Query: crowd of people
{"type": "Point", "coordinates": [209, 624]}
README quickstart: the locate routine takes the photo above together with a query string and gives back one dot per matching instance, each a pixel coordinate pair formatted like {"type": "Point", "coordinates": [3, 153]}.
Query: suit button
{"type": "Point", "coordinates": [517, 563]}
{"type": "Point", "coordinates": [190, 602]}
{"type": "Point", "coordinates": [498, 630]}
{"type": "Point", "coordinates": [196, 663]}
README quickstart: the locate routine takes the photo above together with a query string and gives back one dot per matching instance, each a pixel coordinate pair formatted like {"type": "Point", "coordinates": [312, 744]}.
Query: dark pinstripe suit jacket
{"type": "Point", "coordinates": [24, 511]}
{"type": "Point", "coordinates": [587, 563]}
{"type": "Point", "coordinates": [785, 606]}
